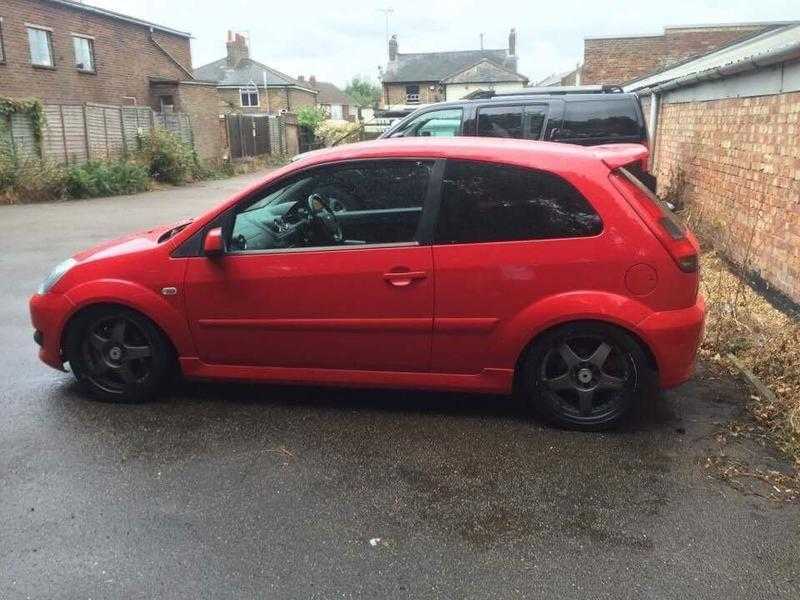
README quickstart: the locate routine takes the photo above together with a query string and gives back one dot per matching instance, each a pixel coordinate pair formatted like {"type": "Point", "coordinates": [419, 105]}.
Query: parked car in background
{"type": "Point", "coordinates": [467, 264]}
{"type": "Point", "coordinates": [587, 115]}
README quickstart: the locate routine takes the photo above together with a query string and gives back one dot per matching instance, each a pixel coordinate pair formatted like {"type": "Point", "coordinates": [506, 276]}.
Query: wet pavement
{"type": "Point", "coordinates": [256, 491]}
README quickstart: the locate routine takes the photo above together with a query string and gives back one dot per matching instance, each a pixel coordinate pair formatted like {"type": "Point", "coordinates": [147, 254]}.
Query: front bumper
{"type": "Point", "coordinates": [49, 314]}
{"type": "Point", "coordinates": [674, 336]}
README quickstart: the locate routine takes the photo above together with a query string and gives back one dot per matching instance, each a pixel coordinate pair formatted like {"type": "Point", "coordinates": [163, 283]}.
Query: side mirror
{"type": "Point", "coordinates": [212, 245]}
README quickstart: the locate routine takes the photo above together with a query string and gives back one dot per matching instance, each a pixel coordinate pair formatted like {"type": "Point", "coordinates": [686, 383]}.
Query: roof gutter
{"type": "Point", "coordinates": [771, 57]}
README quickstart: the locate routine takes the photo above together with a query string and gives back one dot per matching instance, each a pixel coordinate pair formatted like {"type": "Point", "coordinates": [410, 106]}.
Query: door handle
{"type": "Point", "coordinates": [403, 278]}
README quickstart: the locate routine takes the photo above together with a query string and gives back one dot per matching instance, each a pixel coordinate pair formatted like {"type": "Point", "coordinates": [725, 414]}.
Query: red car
{"type": "Point", "coordinates": [468, 264]}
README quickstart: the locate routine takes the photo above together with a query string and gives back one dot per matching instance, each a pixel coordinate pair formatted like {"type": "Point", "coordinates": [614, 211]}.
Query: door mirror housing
{"type": "Point", "coordinates": [212, 245]}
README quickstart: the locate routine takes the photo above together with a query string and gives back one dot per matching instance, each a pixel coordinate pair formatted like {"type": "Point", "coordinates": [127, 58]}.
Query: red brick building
{"type": "Point", "coordinates": [63, 51]}
{"type": "Point", "coordinates": [618, 59]}
{"type": "Point", "coordinates": [725, 131]}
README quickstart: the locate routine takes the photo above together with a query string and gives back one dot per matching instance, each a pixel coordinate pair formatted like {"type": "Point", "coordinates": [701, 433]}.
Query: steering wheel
{"type": "Point", "coordinates": [323, 220]}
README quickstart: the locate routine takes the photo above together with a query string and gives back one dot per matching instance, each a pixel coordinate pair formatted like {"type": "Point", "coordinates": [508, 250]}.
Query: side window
{"type": "Point", "coordinates": [591, 119]}
{"type": "Point", "coordinates": [373, 202]}
{"type": "Point", "coordinates": [40, 45]}
{"type": "Point", "coordinates": [83, 47]}
{"type": "Point", "coordinates": [520, 122]}
{"type": "Point", "coordinates": [482, 202]}
{"type": "Point", "coordinates": [435, 123]}
{"type": "Point", "coordinates": [500, 121]}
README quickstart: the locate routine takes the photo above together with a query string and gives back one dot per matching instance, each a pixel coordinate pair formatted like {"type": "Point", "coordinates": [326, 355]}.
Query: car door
{"type": "Point", "coordinates": [363, 303]}
{"type": "Point", "coordinates": [505, 237]}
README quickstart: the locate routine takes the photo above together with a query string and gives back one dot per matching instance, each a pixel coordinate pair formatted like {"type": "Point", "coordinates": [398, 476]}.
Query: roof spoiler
{"type": "Point", "coordinates": [615, 156]}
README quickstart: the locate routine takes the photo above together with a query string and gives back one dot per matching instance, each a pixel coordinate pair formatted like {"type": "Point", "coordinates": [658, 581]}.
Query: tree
{"type": "Point", "coordinates": [310, 117]}
{"type": "Point", "coordinates": [363, 91]}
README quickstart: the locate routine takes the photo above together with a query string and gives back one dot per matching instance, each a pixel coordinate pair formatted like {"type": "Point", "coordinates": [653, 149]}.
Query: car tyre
{"type": "Point", "coordinates": [118, 355]}
{"type": "Point", "coordinates": [587, 376]}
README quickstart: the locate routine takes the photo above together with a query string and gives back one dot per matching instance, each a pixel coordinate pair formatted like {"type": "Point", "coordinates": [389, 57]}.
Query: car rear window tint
{"type": "Point", "coordinates": [483, 202]}
{"type": "Point", "coordinates": [520, 122]}
{"type": "Point", "coordinates": [588, 119]}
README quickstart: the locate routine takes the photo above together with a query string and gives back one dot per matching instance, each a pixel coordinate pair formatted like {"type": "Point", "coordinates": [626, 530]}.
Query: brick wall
{"type": "Point", "coordinates": [395, 93]}
{"type": "Point", "coordinates": [617, 60]}
{"type": "Point", "coordinates": [742, 161]}
{"type": "Point", "coordinates": [124, 55]}
{"type": "Point", "coordinates": [279, 99]}
{"type": "Point", "coordinates": [201, 103]}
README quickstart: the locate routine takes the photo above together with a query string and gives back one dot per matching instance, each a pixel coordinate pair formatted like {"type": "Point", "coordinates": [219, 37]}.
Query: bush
{"type": "Point", "coordinates": [98, 178]}
{"type": "Point", "coordinates": [167, 157]}
{"type": "Point", "coordinates": [332, 132]}
{"type": "Point", "coordinates": [310, 117]}
{"type": "Point", "coordinates": [36, 180]}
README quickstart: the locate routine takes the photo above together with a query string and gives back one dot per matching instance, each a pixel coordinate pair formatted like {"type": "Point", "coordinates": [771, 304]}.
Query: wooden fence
{"type": "Point", "coordinates": [77, 133]}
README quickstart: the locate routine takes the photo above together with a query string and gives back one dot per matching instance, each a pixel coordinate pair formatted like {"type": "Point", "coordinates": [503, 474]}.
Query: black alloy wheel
{"type": "Point", "coordinates": [119, 355]}
{"type": "Point", "coordinates": [585, 376]}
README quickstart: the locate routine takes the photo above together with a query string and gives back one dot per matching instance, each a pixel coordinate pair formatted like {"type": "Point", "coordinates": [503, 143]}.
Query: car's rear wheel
{"type": "Point", "coordinates": [585, 376]}
{"type": "Point", "coordinates": [118, 355]}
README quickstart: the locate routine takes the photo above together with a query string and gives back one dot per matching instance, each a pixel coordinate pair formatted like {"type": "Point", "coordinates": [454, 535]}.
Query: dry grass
{"type": "Point", "coordinates": [767, 341]}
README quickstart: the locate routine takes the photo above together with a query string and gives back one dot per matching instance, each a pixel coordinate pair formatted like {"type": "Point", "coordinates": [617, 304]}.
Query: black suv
{"type": "Point", "coordinates": [587, 115]}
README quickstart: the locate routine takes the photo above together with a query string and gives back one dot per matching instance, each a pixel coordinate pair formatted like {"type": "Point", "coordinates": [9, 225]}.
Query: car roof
{"type": "Point", "coordinates": [554, 156]}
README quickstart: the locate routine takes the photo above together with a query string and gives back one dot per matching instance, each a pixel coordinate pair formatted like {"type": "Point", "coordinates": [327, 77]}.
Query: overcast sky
{"type": "Point", "coordinates": [336, 40]}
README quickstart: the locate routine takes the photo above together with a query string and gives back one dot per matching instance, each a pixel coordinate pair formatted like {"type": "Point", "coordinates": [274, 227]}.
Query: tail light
{"type": "Point", "coordinates": [678, 241]}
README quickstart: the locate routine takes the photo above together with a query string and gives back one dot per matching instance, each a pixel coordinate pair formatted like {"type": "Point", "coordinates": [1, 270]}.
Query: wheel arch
{"type": "Point", "coordinates": [647, 351]}
{"type": "Point", "coordinates": [167, 318]}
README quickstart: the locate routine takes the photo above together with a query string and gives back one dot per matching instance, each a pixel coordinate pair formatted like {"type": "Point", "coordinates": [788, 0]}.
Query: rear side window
{"type": "Point", "coordinates": [520, 122]}
{"type": "Point", "coordinates": [591, 119]}
{"type": "Point", "coordinates": [483, 202]}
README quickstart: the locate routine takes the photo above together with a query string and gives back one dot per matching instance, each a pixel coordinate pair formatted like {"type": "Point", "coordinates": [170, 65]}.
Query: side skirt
{"type": "Point", "coordinates": [495, 381]}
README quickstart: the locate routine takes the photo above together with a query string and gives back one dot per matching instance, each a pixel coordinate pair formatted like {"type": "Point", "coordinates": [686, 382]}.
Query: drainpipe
{"type": "Point", "coordinates": [653, 129]}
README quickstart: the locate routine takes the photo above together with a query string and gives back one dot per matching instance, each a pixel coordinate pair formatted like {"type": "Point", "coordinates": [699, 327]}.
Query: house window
{"type": "Point", "coordinates": [2, 48]}
{"type": "Point", "coordinates": [249, 97]}
{"type": "Point", "coordinates": [84, 53]}
{"type": "Point", "coordinates": [167, 103]}
{"type": "Point", "coordinates": [40, 44]}
{"type": "Point", "coordinates": [412, 94]}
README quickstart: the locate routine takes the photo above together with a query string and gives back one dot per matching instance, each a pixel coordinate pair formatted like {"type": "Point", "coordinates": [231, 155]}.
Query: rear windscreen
{"type": "Point", "coordinates": [590, 119]}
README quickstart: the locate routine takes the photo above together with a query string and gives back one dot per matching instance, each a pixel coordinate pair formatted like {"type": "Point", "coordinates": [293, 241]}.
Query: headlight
{"type": "Point", "coordinates": [56, 274]}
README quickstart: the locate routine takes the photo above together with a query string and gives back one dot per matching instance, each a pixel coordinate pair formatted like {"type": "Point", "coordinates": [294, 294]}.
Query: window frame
{"type": "Point", "coordinates": [249, 92]}
{"type": "Point", "coordinates": [193, 246]}
{"type": "Point", "coordinates": [440, 200]}
{"type": "Point", "coordinates": [2, 44]}
{"type": "Point", "coordinates": [92, 56]}
{"type": "Point", "coordinates": [48, 31]}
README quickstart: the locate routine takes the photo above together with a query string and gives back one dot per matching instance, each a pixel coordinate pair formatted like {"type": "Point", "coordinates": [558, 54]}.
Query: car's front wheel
{"type": "Point", "coordinates": [585, 376]}
{"type": "Point", "coordinates": [118, 355]}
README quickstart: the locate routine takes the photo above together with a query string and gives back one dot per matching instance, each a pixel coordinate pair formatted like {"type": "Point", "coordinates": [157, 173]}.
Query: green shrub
{"type": "Point", "coordinates": [310, 116]}
{"type": "Point", "coordinates": [36, 180]}
{"type": "Point", "coordinates": [99, 178]}
{"type": "Point", "coordinates": [168, 158]}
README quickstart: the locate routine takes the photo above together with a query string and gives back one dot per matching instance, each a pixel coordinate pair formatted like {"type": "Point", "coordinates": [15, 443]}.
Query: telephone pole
{"type": "Point", "coordinates": [387, 11]}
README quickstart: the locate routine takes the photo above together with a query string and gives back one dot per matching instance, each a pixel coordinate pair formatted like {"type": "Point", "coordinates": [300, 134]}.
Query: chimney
{"type": "Point", "coordinates": [393, 48]}
{"type": "Point", "coordinates": [301, 78]}
{"type": "Point", "coordinates": [312, 79]}
{"type": "Point", "coordinates": [237, 48]}
{"type": "Point", "coordinates": [512, 42]}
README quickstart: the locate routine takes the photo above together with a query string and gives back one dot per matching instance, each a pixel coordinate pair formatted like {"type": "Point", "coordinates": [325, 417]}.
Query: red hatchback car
{"type": "Point", "coordinates": [469, 264]}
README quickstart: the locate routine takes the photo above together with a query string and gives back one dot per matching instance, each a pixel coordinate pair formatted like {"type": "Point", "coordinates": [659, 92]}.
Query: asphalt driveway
{"type": "Point", "coordinates": [246, 491]}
